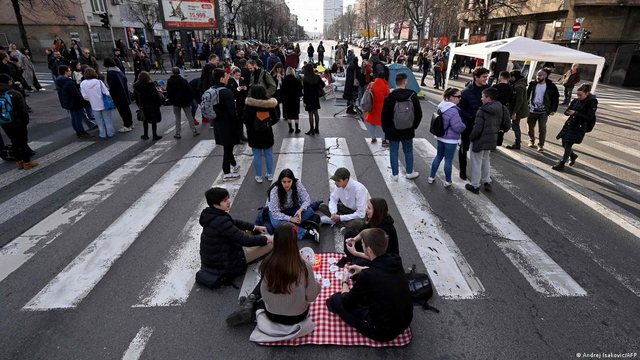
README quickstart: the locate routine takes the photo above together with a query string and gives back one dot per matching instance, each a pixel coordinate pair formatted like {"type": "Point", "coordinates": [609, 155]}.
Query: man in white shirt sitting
{"type": "Point", "coordinates": [347, 203]}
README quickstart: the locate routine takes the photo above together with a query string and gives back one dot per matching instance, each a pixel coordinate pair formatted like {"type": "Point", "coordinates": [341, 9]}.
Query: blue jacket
{"type": "Point", "coordinates": [452, 121]}
{"type": "Point", "coordinates": [69, 94]}
{"type": "Point", "coordinates": [470, 102]}
{"type": "Point", "coordinates": [118, 87]}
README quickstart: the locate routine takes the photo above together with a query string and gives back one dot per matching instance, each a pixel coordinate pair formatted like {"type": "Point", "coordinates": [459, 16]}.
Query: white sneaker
{"type": "Point", "coordinates": [413, 175]}
{"type": "Point", "coordinates": [235, 169]}
{"type": "Point", "coordinates": [230, 176]}
{"type": "Point", "coordinates": [124, 129]}
{"type": "Point", "coordinates": [326, 220]}
{"type": "Point", "coordinates": [394, 178]}
{"type": "Point", "coordinates": [430, 180]}
{"type": "Point", "coordinates": [313, 234]}
{"type": "Point", "coordinates": [447, 184]}
{"type": "Point", "coordinates": [259, 179]}
{"type": "Point", "coordinates": [269, 177]}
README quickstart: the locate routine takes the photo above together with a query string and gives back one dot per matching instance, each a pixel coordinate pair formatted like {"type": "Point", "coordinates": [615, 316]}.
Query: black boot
{"type": "Point", "coordinates": [290, 129]}
{"type": "Point", "coordinates": [297, 129]}
{"type": "Point", "coordinates": [558, 167]}
{"type": "Point", "coordinates": [244, 313]}
{"type": "Point", "coordinates": [572, 159]}
{"type": "Point", "coordinates": [310, 132]}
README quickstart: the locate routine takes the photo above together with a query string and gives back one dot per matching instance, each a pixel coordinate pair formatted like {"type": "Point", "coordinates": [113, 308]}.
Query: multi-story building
{"type": "Point", "coordinates": [613, 27]}
{"type": "Point", "coordinates": [331, 10]}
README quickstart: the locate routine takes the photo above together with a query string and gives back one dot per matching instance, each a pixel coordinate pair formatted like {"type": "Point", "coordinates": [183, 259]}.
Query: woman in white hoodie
{"type": "Point", "coordinates": [92, 90]}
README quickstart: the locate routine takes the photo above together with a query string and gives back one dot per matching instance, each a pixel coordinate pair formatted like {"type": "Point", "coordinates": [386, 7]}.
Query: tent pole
{"type": "Point", "coordinates": [597, 76]}
{"type": "Point", "coordinates": [452, 55]}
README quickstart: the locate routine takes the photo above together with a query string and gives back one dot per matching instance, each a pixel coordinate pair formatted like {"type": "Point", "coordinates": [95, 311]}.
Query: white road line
{"type": "Point", "coordinates": [22, 248]}
{"type": "Point", "coordinates": [432, 103]}
{"type": "Point", "coordinates": [173, 127]}
{"type": "Point", "coordinates": [291, 157]}
{"type": "Point", "coordinates": [13, 175]}
{"type": "Point", "coordinates": [35, 145]}
{"type": "Point", "coordinates": [593, 153]}
{"type": "Point", "coordinates": [338, 156]}
{"type": "Point", "coordinates": [452, 276]}
{"type": "Point", "coordinates": [599, 204]}
{"type": "Point", "coordinates": [36, 193]}
{"type": "Point", "coordinates": [632, 283]}
{"type": "Point", "coordinates": [78, 278]}
{"type": "Point", "coordinates": [173, 283]}
{"type": "Point", "coordinates": [622, 148]}
{"type": "Point", "coordinates": [542, 273]}
{"type": "Point", "coordinates": [137, 345]}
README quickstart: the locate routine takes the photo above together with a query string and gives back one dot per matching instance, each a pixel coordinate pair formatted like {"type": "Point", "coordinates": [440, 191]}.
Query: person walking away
{"type": "Point", "coordinates": [543, 98]}
{"type": "Point", "coordinates": [490, 117]}
{"type": "Point", "coordinates": [289, 201]}
{"type": "Point", "coordinates": [379, 306]}
{"type": "Point", "coordinates": [448, 143]}
{"type": "Point", "coordinates": [290, 92]}
{"type": "Point", "coordinates": [119, 90]}
{"type": "Point", "coordinates": [71, 100]}
{"type": "Point", "coordinates": [287, 284]}
{"type": "Point", "coordinates": [505, 94]}
{"type": "Point", "coordinates": [373, 120]}
{"type": "Point", "coordinates": [401, 116]}
{"type": "Point", "coordinates": [469, 104]}
{"type": "Point", "coordinates": [259, 116]}
{"type": "Point", "coordinates": [582, 119]}
{"type": "Point", "coordinates": [569, 81]}
{"type": "Point", "coordinates": [180, 96]}
{"type": "Point", "coordinates": [92, 90]}
{"type": "Point", "coordinates": [518, 106]}
{"type": "Point", "coordinates": [225, 126]}
{"type": "Point", "coordinates": [312, 84]}
{"type": "Point", "coordinates": [149, 102]}
{"type": "Point", "coordinates": [310, 51]}
{"type": "Point", "coordinates": [14, 119]}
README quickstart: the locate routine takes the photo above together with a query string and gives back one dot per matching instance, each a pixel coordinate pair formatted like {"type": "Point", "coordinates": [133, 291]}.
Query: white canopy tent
{"type": "Point", "coordinates": [524, 49]}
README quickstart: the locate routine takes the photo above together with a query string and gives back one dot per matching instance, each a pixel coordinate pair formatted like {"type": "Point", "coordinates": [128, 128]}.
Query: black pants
{"type": "Point", "coordinates": [568, 151]}
{"type": "Point", "coordinates": [125, 114]}
{"type": "Point", "coordinates": [154, 128]}
{"type": "Point", "coordinates": [228, 159]}
{"type": "Point", "coordinates": [18, 136]}
{"type": "Point", "coordinates": [359, 319]}
{"type": "Point", "coordinates": [567, 94]}
{"type": "Point", "coordinates": [462, 157]}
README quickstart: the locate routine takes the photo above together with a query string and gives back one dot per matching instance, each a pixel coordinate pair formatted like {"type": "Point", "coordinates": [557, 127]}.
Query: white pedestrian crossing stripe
{"type": "Point", "coordinates": [79, 277]}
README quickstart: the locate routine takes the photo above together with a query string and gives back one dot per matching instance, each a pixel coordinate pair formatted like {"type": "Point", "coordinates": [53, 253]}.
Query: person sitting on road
{"type": "Point", "coordinates": [347, 203]}
{"type": "Point", "coordinates": [225, 246]}
{"type": "Point", "coordinates": [287, 286]}
{"type": "Point", "coordinates": [379, 305]}
{"type": "Point", "coordinates": [289, 201]}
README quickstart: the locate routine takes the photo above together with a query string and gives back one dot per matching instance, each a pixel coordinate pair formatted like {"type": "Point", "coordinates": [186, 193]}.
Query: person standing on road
{"type": "Point", "coordinates": [484, 135]}
{"type": "Point", "coordinates": [71, 100]}
{"type": "Point", "coordinates": [448, 143]}
{"type": "Point", "coordinates": [312, 84]}
{"type": "Point", "coordinates": [149, 101]}
{"type": "Point", "coordinates": [373, 120]}
{"type": "Point", "coordinates": [320, 51]}
{"type": "Point", "coordinates": [238, 86]}
{"type": "Point", "coordinates": [518, 106]}
{"type": "Point", "coordinates": [310, 51]}
{"type": "Point", "coordinates": [543, 98]}
{"type": "Point", "coordinates": [119, 90]}
{"type": "Point", "coordinates": [291, 92]}
{"type": "Point", "coordinates": [425, 64]}
{"type": "Point", "coordinates": [259, 76]}
{"type": "Point", "coordinates": [54, 63]}
{"type": "Point", "coordinates": [16, 125]}
{"type": "Point", "coordinates": [469, 104]}
{"type": "Point", "coordinates": [351, 85]}
{"type": "Point", "coordinates": [277, 73]}
{"type": "Point", "coordinates": [399, 126]}
{"type": "Point", "coordinates": [225, 126]}
{"type": "Point", "coordinates": [180, 96]}
{"type": "Point", "coordinates": [582, 119]}
{"type": "Point", "coordinates": [92, 90]}
{"type": "Point", "coordinates": [137, 64]}
{"type": "Point", "coordinates": [89, 60]}
{"type": "Point", "coordinates": [569, 81]}
{"type": "Point", "coordinates": [259, 116]}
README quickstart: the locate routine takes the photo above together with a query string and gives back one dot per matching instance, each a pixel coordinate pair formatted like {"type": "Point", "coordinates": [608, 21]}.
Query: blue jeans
{"type": "Point", "coordinates": [373, 130]}
{"type": "Point", "coordinates": [257, 160]}
{"type": "Point", "coordinates": [76, 121]}
{"type": "Point", "coordinates": [447, 151]}
{"type": "Point", "coordinates": [105, 124]}
{"type": "Point", "coordinates": [407, 148]}
{"type": "Point", "coordinates": [194, 107]}
{"type": "Point", "coordinates": [306, 215]}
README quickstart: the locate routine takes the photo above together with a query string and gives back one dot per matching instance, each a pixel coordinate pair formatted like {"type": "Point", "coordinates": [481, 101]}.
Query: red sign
{"type": "Point", "coordinates": [576, 27]}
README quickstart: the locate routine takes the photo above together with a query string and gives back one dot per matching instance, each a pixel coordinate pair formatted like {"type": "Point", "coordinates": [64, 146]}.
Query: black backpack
{"type": "Point", "coordinates": [420, 288]}
{"type": "Point", "coordinates": [214, 279]}
{"type": "Point", "coordinates": [437, 124]}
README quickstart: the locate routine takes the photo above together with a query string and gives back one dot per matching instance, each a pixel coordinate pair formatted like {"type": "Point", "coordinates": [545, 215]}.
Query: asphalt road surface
{"type": "Point", "coordinates": [100, 242]}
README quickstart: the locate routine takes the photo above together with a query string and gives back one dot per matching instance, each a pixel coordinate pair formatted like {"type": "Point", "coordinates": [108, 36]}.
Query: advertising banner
{"type": "Point", "coordinates": [198, 14]}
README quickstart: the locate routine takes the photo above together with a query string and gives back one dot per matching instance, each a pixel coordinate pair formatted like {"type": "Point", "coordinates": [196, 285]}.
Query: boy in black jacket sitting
{"type": "Point", "coordinates": [379, 305]}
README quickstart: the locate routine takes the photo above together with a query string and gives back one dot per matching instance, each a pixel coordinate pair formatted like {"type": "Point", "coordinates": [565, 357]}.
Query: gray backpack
{"type": "Point", "coordinates": [210, 99]}
{"type": "Point", "coordinates": [366, 103]}
{"type": "Point", "coordinates": [403, 115]}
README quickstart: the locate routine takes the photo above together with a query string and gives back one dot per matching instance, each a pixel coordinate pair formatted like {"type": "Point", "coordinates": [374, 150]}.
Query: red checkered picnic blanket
{"type": "Point", "coordinates": [330, 329]}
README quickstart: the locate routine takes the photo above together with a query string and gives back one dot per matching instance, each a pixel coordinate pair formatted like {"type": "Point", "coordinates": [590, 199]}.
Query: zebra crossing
{"type": "Point", "coordinates": [173, 281]}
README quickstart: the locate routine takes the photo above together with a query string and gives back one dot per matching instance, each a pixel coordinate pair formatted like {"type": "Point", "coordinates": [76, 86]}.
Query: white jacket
{"type": "Point", "coordinates": [92, 91]}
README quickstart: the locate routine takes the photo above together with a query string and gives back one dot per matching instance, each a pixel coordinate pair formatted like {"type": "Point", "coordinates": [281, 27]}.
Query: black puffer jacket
{"type": "Point", "coordinates": [489, 118]}
{"type": "Point", "coordinates": [179, 91]}
{"type": "Point", "coordinates": [390, 131]}
{"type": "Point", "coordinates": [577, 124]}
{"type": "Point", "coordinates": [149, 100]}
{"type": "Point", "coordinates": [222, 240]}
{"type": "Point", "coordinates": [264, 139]}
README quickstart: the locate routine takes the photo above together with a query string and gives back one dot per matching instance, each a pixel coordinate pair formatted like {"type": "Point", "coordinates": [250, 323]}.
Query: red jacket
{"type": "Point", "coordinates": [380, 92]}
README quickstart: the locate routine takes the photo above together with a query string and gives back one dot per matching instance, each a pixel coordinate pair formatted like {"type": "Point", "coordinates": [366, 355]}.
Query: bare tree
{"type": "Point", "coordinates": [443, 20]}
{"type": "Point", "coordinates": [57, 7]}
{"type": "Point", "coordinates": [147, 12]}
{"type": "Point", "coordinates": [478, 12]}
{"type": "Point", "coordinates": [419, 12]}
{"type": "Point", "coordinates": [233, 7]}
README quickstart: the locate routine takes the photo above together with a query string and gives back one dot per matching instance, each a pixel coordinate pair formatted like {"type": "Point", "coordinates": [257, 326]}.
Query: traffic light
{"type": "Point", "coordinates": [586, 34]}
{"type": "Point", "coordinates": [104, 19]}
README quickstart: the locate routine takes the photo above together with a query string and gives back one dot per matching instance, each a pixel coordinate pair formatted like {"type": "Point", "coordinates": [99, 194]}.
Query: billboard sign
{"type": "Point", "coordinates": [198, 14]}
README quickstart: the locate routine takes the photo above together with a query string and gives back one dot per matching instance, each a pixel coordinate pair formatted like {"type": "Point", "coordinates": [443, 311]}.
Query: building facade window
{"type": "Point", "coordinates": [99, 6]}
{"type": "Point", "coordinates": [545, 31]}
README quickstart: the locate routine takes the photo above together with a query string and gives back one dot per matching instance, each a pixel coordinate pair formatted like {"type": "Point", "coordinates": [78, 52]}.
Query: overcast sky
{"type": "Point", "coordinates": [310, 12]}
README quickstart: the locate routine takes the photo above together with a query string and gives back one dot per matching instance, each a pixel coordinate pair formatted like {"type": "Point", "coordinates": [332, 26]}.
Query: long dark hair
{"type": "Point", "coordinates": [309, 75]}
{"type": "Point", "coordinates": [380, 211]}
{"type": "Point", "coordinates": [283, 267]}
{"type": "Point", "coordinates": [282, 193]}
{"type": "Point", "coordinates": [258, 92]}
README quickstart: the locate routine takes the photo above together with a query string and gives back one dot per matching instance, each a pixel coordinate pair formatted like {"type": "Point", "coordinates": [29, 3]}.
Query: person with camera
{"type": "Point", "coordinates": [582, 118]}
{"type": "Point", "coordinates": [379, 306]}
